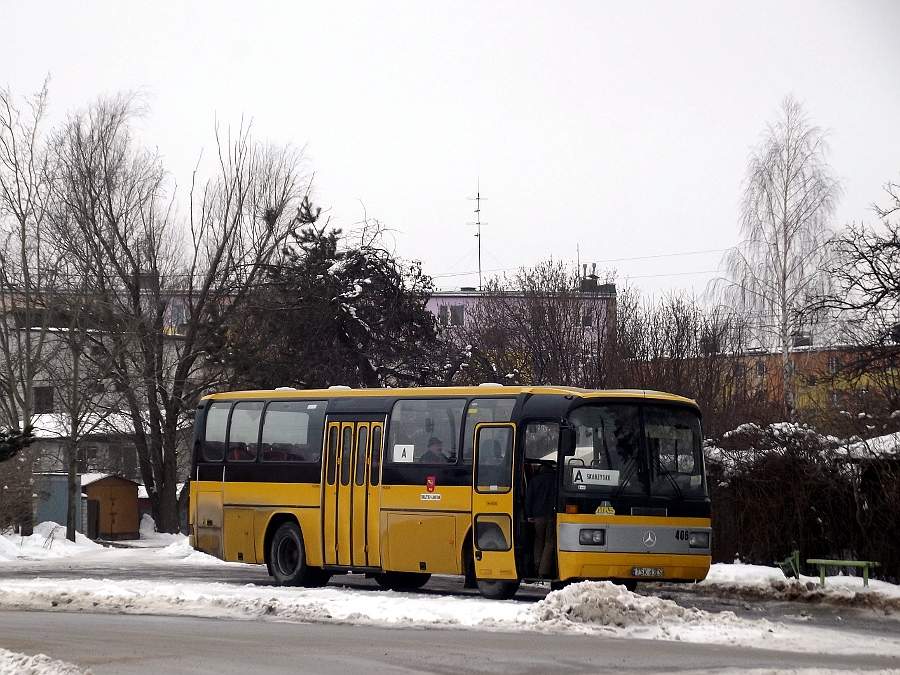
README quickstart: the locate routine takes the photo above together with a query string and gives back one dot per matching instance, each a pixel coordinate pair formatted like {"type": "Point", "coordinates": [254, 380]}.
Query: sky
{"type": "Point", "coordinates": [586, 608]}
{"type": "Point", "coordinates": [614, 133]}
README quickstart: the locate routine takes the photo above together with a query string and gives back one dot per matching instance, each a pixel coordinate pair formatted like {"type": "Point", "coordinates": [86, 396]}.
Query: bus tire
{"type": "Point", "coordinates": [497, 590]}
{"type": "Point", "coordinates": [401, 581]}
{"type": "Point", "coordinates": [287, 556]}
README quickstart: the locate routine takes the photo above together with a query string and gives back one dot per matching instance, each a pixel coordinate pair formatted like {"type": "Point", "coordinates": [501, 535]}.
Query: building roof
{"type": "Point", "coordinates": [91, 478]}
{"type": "Point", "coordinates": [57, 425]}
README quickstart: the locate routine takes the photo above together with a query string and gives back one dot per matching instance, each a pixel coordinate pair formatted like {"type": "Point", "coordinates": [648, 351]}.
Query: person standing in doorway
{"type": "Point", "coordinates": [540, 509]}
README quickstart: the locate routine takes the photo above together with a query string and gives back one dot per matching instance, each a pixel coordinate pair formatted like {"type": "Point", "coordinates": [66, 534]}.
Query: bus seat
{"type": "Point", "coordinates": [575, 461]}
{"type": "Point", "coordinates": [281, 452]}
{"type": "Point", "coordinates": [240, 452]}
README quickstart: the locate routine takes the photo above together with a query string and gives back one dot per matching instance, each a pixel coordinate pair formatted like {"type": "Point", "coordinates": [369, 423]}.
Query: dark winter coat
{"type": "Point", "coordinates": [540, 499]}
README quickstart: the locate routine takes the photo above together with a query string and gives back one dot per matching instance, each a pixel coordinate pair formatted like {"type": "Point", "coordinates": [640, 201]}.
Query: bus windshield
{"type": "Point", "coordinates": [636, 450]}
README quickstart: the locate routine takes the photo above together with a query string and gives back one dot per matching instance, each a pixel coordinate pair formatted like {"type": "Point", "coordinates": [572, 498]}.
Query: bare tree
{"type": "Point", "coordinates": [866, 271]}
{"type": "Point", "coordinates": [161, 295]}
{"type": "Point", "coordinates": [541, 326]}
{"type": "Point", "coordinates": [675, 344]}
{"type": "Point", "coordinates": [27, 260]}
{"type": "Point", "coordinates": [80, 373]}
{"type": "Point", "coordinates": [28, 267]}
{"type": "Point", "coordinates": [790, 194]}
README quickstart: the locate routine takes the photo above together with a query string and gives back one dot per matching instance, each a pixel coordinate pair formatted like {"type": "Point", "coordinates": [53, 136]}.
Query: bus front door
{"type": "Point", "coordinates": [350, 504]}
{"type": "Point", "coordinates": [492, 502]}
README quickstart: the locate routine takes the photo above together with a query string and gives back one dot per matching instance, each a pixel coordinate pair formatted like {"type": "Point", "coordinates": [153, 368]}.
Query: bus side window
{"type": "Point", "coordinates": [484, 410]}
{"type": "Point", "coordinates": [292, 431]}
{"type": "Point", "coordinates": [214, 435]}
{"type": "Point", "coordinates": [415, 422]}
{"type": "Point", "coordinates": [243, 433]}
{"type": "Point", "coordinates": [376, 455]}
{"type": "Point", "coordinates": [214, 451]}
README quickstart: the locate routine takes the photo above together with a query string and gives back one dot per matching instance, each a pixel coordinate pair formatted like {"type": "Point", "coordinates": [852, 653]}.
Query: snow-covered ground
{"type": "Point", "coordinates": [593, 608]}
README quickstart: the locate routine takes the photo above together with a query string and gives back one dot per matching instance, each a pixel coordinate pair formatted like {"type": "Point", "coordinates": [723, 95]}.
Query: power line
{"type": "Point", "coordinates": [670, 274]}
{"type": "Point", "coordinates": [663, 255]}
{"type": "Point", "coordinates": [610, 260]}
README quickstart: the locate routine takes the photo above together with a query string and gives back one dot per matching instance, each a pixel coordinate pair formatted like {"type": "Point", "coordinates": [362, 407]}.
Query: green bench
{"type": "Point", "coordinates": [790, 565]}
{"type": "Point", "coordinates": [866, 565]}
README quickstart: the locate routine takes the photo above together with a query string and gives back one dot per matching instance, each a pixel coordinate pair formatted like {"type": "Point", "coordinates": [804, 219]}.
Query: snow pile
{"type": "Point", "coordinates": [604, 607]}
{"type": "Point", "coordinates": [606, 604]}
{"type": "Point", "coordinates": [47, 541]}
{"type": "Point", "coordinates": [12, 662]}
{"type": "Point", "coordinates": [755, 582]}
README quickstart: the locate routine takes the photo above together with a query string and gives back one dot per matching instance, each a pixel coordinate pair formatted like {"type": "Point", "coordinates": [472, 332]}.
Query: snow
{"type": "Point", "coordinates": [587, 608]}
{"type": "Point", "coordinates": [882, 446]}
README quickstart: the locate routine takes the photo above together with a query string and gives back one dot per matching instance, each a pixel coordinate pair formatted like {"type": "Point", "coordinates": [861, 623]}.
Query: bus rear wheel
{"type": "Point", "coordinates": [497, 590]}
{"type": "Point", "coordinates": [401, 581]}
{"type": "Point", "coordinates": [288, 559]}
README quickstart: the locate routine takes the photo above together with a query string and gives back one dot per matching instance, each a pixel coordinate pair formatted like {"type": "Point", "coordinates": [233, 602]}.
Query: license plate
{"type": "Point", "coordinates": [646, 571]}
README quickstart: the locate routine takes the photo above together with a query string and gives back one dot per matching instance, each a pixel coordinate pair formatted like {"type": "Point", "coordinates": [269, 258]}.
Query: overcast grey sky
{"type": "Point", "coordinates": [610, 132]}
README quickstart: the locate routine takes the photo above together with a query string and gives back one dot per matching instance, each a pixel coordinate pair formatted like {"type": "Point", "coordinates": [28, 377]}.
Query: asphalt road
{"type": "Point", "coordinates": [126, 644]}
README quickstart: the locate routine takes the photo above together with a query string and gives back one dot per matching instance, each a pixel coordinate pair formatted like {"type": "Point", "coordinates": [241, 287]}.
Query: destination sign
{"type": "Point", "coordinates": [582, 475]}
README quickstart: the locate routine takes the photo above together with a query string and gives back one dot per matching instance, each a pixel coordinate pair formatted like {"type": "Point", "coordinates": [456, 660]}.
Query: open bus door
{"type": "Point", "coordinates": [492, 511]}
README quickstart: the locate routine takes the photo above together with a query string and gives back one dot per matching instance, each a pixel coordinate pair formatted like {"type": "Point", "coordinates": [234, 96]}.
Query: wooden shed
{"type": "Point", "coordinates": [114, 500]}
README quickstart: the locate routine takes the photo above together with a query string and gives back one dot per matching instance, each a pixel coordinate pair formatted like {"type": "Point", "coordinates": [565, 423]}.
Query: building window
{"type": "Point", "coordinates": [587, 318]}
{"type": "Point", "coordinates": [760, 369]}
{"type": "Point", "coordinates": [739, 370]}
{"type": "Point", "coordinates": [43, 400]}
{"type": "Point", "coordinates": [812, 380]}
{"type": "Point", "coordinates": [834, 364]}
{"type": "Point", "coordinates": [457, 315]}
{"type": "Point", "coordinates": [451, 315]}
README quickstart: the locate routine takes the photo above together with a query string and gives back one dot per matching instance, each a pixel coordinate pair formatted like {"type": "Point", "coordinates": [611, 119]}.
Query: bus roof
{"type": "Point", "coordinates": [484, 389]}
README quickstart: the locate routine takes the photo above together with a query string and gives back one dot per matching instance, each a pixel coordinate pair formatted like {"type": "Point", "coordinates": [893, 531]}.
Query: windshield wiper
{"type": "Point", "coordinates": [668, 474]}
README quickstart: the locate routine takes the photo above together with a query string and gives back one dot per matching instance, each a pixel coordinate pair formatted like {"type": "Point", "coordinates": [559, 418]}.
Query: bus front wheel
{"type": "Point", "coordinates": [288, 558]}
{"type": "Point", "coordinates": [497, 590]}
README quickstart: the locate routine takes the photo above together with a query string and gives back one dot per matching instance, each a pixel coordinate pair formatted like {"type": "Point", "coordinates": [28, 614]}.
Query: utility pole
{"type": "Point", "coordinates": [477, 222]}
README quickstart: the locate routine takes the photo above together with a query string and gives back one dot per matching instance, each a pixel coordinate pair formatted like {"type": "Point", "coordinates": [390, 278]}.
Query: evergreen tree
{"type": "Point", "coordinates": [335, 312]}
{"type": "Point", "coordinates": [11, 442]}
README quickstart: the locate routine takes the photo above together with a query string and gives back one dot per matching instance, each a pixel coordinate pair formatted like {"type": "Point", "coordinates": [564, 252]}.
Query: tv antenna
{"type": "Point", "coordinates": [477, 200]}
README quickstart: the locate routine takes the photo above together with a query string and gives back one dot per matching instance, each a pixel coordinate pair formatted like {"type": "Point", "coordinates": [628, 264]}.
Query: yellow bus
{"type": "Point", "coordinates": [400, 484]}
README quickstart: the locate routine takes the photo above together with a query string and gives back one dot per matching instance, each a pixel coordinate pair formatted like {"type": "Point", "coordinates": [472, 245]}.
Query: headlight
{"type": "Point", "coordinates": [698, 539]}
{"type": "Point", "coordinates": [592, 537]}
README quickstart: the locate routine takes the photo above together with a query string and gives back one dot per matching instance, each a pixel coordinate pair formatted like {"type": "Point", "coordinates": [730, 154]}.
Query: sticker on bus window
{"type": "Point", "coordinates": [587, 476]}
{"type": "Point", "coordinates": [404, 453]}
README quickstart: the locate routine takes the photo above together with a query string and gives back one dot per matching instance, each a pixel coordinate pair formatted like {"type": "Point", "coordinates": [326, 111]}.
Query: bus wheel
{"type": "Point", "coordinates": [288, 556]}
{"type": "Point", "coordinates": [401, 581]}
{"type": "Point", "coordinates": [316, 576]}
{"type": "Point", "coordinates": [497, 590]}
